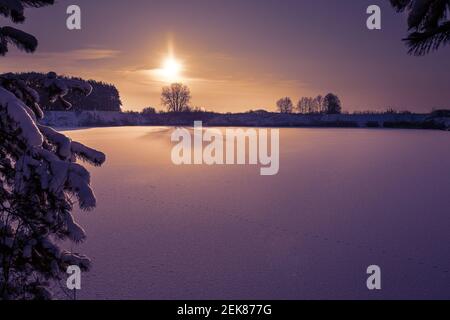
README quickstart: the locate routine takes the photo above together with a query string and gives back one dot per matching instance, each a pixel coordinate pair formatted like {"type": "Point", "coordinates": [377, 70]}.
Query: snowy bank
{"type": "Point", "coordinates": [69, 119]}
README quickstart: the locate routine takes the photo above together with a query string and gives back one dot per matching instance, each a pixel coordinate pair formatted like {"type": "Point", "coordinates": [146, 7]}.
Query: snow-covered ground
{"type": "Point", "coordinates": [344, 199]}
{"type": "Point", "coordinates": [70, 119]}
{"type": "Point", "coordinates": [67, 119]}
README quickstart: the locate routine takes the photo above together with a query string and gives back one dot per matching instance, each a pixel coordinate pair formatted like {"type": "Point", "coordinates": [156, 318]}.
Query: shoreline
{"type": "Point", "coordinates": [66, 120]}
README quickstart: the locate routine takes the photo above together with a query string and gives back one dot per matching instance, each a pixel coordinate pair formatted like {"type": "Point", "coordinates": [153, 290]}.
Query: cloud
{"type": "Point", "coordinates": [80, 54]}
{"type": "Point", "coordinates": [71, 61]}
{"type": "Point", "coordinates": [65, 57]}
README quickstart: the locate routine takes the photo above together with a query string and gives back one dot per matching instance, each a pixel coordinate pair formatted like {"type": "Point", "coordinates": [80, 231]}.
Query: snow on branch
{"type": "Point", "coordinates": [87, 154]}
{"type": "Point", "coordinates": [58, 88]}
{"type": "Point", "coordinates": [39, 176]}
{"type": "Point", "coordinates": [21, 118]}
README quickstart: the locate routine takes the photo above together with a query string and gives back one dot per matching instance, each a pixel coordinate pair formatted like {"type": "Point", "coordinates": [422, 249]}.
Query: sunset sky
{"type": "Point", "coordinates": [238, 55]}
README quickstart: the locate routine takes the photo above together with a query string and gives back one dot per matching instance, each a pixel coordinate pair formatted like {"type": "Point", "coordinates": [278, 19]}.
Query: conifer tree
{"type": "Point", "coordinates": [40, 179]}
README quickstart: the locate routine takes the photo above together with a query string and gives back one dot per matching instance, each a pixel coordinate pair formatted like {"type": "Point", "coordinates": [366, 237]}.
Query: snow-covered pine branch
{"type": "Point", "coordinates": [39, 176]}
{"type": "Point", "coordinates": [39, 180]}
{"type": "Point", "coordinates": [14, 10]}
{"type": "Point", "coordinates": [105, 97]}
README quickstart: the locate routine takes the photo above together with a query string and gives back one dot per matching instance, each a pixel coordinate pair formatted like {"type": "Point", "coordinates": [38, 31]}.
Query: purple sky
{"type": "Point", "coordinates": [240, 54]}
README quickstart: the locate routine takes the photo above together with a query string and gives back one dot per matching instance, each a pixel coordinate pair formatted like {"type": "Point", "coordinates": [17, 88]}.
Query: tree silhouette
{"type": "Point", "coordinates": [308, 105]}
{"type": "Point", "coordinates": [148, 111]}
{"type": "Point", "coordinates": [427, 22]}
{"type": "Point", "coordinates": [304, 105]}
{"type": "Point", "coordinates": [176, 97]}
{"type": "Point", "coordinates": [332, 104]}
{"type": "Point", "coordinates": [318, 104]}
{"type": "Point", "coordinates": [285, 105]}
{"type": "Point", "coordinates": [104, 96]}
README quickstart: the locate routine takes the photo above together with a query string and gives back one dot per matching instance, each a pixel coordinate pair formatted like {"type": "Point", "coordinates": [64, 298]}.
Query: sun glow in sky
{"type": "Point", "coordinates": [171, 69]}
{"type": "Point", "coordinates": [275, 51]}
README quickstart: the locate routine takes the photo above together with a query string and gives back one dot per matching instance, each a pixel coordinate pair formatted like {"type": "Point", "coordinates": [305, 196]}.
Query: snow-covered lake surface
{"type": "Point", "coordinates": [344, 199]}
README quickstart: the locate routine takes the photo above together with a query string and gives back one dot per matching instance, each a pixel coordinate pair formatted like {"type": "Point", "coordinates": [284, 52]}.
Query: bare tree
{"type": "Point", "coordinates": [307, 105]}
{"type": "Point", "coordinates": [318, 104]}
{"type": "Point", "coordinates": [148, 111]}
{"type": "Point", "coordinates": [302, 105]}
{"type": "Point", "coordinates": [176, 97]}
{"type": "Point", "coordinates": [285, 105]}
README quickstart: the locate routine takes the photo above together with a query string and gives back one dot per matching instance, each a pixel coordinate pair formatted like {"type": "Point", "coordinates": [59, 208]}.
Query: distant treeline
{"type": "Point", "coordinates": [104, 96]}
{"type": "Point", "coordinates": [439, 119]}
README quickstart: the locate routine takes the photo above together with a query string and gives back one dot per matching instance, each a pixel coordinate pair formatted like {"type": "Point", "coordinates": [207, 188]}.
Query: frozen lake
{"type": "Point", "coordinates": [344, 199]}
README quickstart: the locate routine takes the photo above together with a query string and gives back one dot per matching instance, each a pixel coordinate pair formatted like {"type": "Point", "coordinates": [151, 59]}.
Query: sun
{"type": "Point", "coordinates": [171, 69]}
